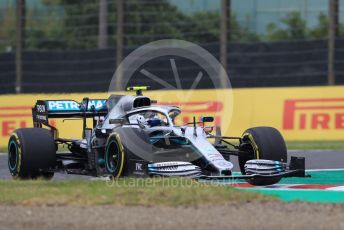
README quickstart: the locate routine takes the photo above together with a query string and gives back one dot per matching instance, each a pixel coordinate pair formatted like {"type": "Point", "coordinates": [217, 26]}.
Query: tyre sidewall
{"type": "Point", "coordinates": [16, 169]}
{"type": "Point", "coordinates": [114, 138]}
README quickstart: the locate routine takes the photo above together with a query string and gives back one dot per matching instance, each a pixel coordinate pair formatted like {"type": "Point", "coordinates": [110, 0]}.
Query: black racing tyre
{"type": "Point", "coordinates": [114, 156]}
{"type": "Point", "coordinates": [263, 143]}
{"type": "Point", "coordinates": [31, 151]}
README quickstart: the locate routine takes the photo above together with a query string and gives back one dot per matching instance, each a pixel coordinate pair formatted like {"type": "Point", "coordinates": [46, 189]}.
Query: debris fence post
{"type": "Point", "coordinates": [20, 43]}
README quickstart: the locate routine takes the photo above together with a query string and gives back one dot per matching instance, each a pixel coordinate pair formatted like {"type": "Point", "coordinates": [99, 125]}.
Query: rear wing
{"type": "Point", "coordinates": [45, 109]}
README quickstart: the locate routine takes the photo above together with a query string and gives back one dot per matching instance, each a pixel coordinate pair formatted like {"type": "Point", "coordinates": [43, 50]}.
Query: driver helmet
{"type": "Point", "coordinates": [154, 121]}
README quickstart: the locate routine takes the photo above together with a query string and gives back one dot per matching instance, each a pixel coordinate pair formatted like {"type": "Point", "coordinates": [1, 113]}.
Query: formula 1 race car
{"type": "Point", "coordinates": [133, 137]}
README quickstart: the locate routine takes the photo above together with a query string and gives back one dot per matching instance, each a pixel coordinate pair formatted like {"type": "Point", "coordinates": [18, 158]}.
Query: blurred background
{"type": "Point", "coordinates": [75, 45]}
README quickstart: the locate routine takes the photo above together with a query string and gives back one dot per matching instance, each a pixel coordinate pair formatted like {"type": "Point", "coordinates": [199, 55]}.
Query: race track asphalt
{"type": "Point", "coordinates": [315, 159]}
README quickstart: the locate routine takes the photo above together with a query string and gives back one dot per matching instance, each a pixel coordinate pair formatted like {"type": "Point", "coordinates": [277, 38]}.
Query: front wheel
{"type": "Point", "coordinates": [262, 143]}
{"type": "Point", "coordinates": [114, 155]}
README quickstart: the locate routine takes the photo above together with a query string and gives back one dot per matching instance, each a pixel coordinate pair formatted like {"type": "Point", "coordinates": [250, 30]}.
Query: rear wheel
{"type": "Point", "coordinates": [262, 143]}
{"type": "Point", "coordinates": [31, 154]}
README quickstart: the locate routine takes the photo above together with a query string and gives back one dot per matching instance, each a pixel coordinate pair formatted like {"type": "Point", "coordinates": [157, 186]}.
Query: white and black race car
{"type": "Point", "coordinates": [133, 137]}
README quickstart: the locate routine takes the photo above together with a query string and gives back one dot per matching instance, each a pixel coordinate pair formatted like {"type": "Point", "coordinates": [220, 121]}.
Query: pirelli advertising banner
{"type": "Point", "coordinates": [300, 113]}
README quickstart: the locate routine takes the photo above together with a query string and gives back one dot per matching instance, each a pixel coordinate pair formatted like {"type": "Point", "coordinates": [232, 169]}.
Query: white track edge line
{"type": "Point", "coordinates": [318, 170]}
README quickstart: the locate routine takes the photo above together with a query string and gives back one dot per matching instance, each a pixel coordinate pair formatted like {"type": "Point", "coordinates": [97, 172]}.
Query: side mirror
{"type": "Point", "coordinates": [207, 119]}
{"type": "Point", "coordinates": [117, 121]}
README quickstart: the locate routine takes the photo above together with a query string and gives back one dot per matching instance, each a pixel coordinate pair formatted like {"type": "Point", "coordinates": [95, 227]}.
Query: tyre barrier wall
{"type": "Point", "coordinates": [263, 64]}
{"type": "Point", "coordinates": [300, 113]}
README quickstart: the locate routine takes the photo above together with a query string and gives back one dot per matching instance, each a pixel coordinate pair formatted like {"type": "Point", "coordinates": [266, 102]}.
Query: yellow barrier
{"type": "Point", "coordinates": [300, 113]}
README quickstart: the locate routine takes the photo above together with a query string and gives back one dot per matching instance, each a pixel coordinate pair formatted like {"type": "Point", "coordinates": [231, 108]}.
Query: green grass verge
{"type": "Point", "coordinates": [126, 191]}
{"type": "Point", "coordinates": [316, 145]}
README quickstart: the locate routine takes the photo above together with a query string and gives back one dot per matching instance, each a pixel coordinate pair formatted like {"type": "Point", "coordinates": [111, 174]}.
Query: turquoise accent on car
{"type": "Point", "coordinates": [16, 148]}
